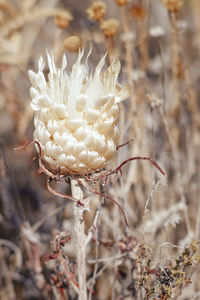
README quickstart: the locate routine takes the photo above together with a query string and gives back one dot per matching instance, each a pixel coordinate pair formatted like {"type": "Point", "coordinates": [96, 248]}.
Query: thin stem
{"type": "Point", "coordinates": [79, 226]}
{"type": "Point", "coordinates": [129, 47]}
{"type": "Point", "coordinates": [175, 55]}
{"type": "Point", "coordinates": [96, 223]}
{"type": "Point", "coordinates": [129, 57]}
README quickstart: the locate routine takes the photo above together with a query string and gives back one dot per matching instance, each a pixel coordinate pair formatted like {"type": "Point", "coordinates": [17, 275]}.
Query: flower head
{"type": "Point", "coordinates": [63, 19]}
{"type": "Point", "coordinates": [173, 5]}
{"type": "Point", "coordinates": [76, 114]}
{"type": "Point", "coordinates": [121, 2]}
{"type": "Point", "coordinates": [72, 43]}
{"type": "Point", "coordinates": [96, 11]}
{"type": "Point", "coordinates": [110, 27]}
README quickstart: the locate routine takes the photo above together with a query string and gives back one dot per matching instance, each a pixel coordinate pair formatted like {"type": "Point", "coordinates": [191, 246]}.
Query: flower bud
{"type": "Point", "coordinates": [110, 27]}
{"type": "Point", "coordinates": [96, 11]}
{"type": "Point", "coordinates": [72, 43]}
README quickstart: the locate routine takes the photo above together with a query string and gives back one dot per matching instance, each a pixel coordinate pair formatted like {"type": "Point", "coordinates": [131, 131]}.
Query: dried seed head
{"type": "Point", "coordinates": [76, 114]}
{"type": "Point", "coordinates": [173, 5]}
{"type": "Point", "coordinates": [154, 100]}
{"type": "Point", "coordinates": [138, 12]}
{"type": "Point", "coordinates": [110, 27]}
{"type": "Point", "coordinates": [72, 43]}
{"type": "Point", "coordinates": [121, 2]}
{"type": "Point", "coordinates": [62, 20]}
{"type": "Point", "coordinates": [96, 11]}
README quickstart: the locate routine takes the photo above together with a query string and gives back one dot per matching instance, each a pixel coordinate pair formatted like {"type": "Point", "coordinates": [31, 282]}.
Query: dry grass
{"type": "Point", "coordinates": [157, 256]}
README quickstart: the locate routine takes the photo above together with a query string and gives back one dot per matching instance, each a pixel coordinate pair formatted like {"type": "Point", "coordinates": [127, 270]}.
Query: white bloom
{"type": "Point", "coordinates": [157, 31]}
{"type": "Point", "coordinates": [76, 114]}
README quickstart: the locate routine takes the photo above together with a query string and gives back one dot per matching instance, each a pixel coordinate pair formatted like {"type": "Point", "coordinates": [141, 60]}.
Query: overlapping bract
{"type": "Point", "coordinates": [76, 114]}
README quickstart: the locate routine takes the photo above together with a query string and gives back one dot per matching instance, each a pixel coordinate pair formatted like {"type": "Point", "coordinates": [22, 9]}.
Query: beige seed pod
{"type": "Point", "coordinates": [110, 27]}
{"type": "Point", "coordinates": [72, 43]}
{"type": "Point", "coordinates": [96, 11]}
{"type": "Point", "coordinates": [63, 19]}
{"type": "Point", "coordinates": [76, 114]}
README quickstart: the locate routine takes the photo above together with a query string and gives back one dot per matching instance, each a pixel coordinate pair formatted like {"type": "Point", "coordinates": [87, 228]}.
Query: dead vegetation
{"type": "Point", "coordinates": [157, 256]}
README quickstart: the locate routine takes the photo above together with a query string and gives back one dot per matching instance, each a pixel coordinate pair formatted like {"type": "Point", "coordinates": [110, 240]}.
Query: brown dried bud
{"type": "Point", "coordinates": [121, 2]}
{"type": "Point", "coordinates": [138, 12]}
{"type": "Point", "coordinates": [110, 27]}
{"type": "Point", "coordinates": [154, 100]}
{"type": "Point", "coordinates": [72, 43]}
{"type": "Point", "coordinates": [62, 21]}
{"type": "Point", "coordinates": [173, 5]}
{"type": "Point", "coordinates": [96, 11]}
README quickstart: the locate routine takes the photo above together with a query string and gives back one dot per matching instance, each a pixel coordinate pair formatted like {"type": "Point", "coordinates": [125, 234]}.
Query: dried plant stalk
{"type": "Point", "coordinates": [79, 226]}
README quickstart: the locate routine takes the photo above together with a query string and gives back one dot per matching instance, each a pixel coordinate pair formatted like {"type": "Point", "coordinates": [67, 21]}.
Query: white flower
{"type": "Point", "coordinates": [76, 114]}
{"type": "Point", "coordinates": [157, 31]}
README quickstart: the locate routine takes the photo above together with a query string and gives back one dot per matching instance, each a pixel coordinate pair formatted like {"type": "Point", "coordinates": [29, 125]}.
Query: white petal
{"type": "Point", "coordinates": [52, 126]}
{"type": "Point", "coordinates": [110, 150]}
{"type": "Point", "coordinates": [98, 163]}
{"type": "Point", "coordinates": [42, 133]}
{"type": "Point", "coordinates": [41, 64]}
{"type": "Point", "coordinates": [42, 101]}
{"type": "Point", "coordinates": [51, 63]}
{"type": "Point", "coordinates": [81, 102]}
{"type": "Point", "coordinates": [100, 65]}
{"type": "Point", "coordinates": [33, 92]}
{"type": "Point", "coordinates": [32, 77]}
{"type": "Point", "coordinates": [92, 115]}
{"type": "Point", "coordinates": [64, 62]}
{"type": "Point", "coordinates": [74, 124]}
{"type": "Point", "coordinates": [60, 110]}
{"type": "Point", "coordinates": [41, 81]}
{"type": "Point", "coordinates": [52, 150]}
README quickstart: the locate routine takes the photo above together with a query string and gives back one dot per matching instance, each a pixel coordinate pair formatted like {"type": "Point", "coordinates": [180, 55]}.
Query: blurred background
{"type": "Point", "coordinates": [157, 256]}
